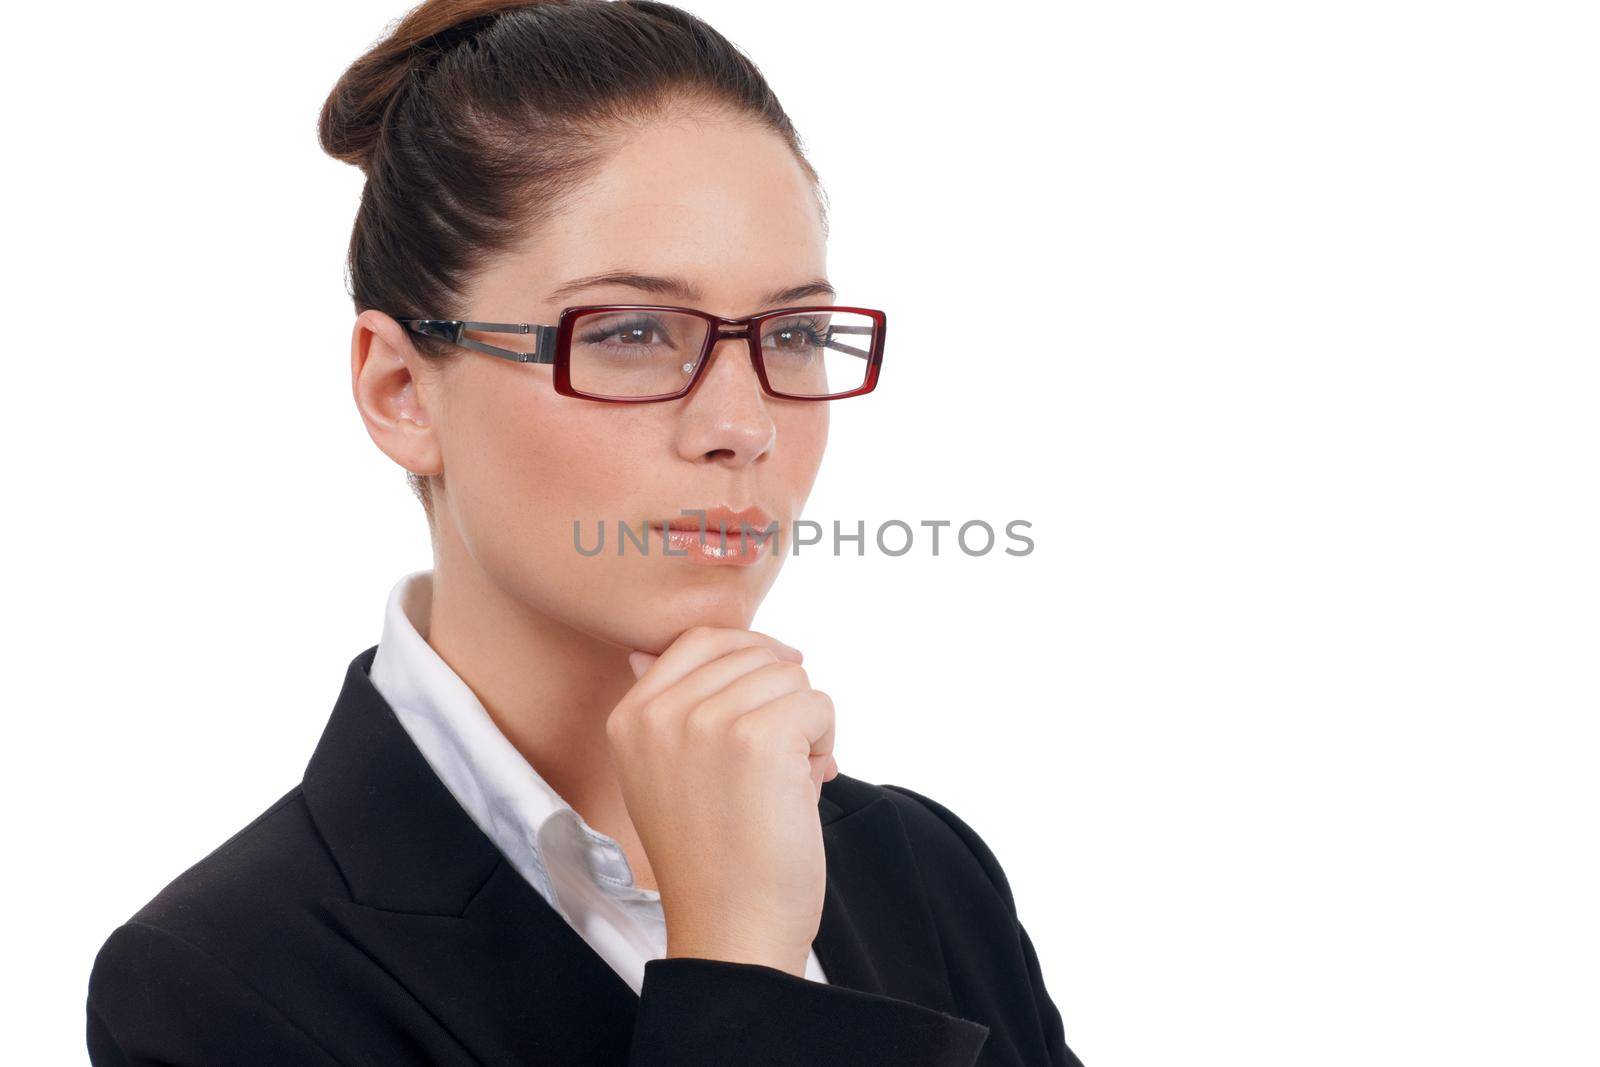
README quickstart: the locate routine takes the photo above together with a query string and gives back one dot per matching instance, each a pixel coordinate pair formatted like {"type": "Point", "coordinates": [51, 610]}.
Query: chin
{"type": "Point", "coordinates": [658, 620]}
{"type": "Point", "coordinates": [647, 603]}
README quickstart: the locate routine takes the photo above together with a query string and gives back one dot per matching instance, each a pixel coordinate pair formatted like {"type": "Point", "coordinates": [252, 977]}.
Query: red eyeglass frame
{"type": "Point", "coordinates": [553, 345]}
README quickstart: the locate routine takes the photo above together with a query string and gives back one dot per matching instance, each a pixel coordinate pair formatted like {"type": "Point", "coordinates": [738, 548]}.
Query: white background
{"type": "Point", "coordinates": [1278, 322]}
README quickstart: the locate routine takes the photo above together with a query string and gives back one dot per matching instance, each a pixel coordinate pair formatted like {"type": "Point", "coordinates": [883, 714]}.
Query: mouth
{"type": "Point", "coordinates": [721, 536]}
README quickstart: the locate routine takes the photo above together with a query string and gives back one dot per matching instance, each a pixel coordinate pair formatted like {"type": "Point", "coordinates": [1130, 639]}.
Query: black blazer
{"type": "Point", "coordinates": [363, 918]}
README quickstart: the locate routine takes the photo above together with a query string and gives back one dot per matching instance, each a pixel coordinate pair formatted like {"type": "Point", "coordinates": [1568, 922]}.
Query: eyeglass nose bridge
{"type": "Point", "coordinates": [729, 330]}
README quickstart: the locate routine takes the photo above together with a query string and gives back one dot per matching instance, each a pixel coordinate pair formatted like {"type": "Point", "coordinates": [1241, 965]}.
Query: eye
{"type": "Point", "coordinates": [635, 333]}
{"type": "Point", "coordinates": [796, 336]}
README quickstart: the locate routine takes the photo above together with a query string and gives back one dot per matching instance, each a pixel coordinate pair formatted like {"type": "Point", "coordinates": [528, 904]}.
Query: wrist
{"type": "Point", "coordinates": [740, 950]}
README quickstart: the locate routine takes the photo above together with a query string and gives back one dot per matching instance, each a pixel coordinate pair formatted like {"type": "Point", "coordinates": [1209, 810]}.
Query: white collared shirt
{"type": "Point", "coordinates": [582, 873]}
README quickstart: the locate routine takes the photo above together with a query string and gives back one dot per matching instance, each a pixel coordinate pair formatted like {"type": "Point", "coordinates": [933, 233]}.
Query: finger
{"type": "Point", "coordinates": [806, 715]}
{"type": "Point", "coordinates": [696, 647]}
{"type": "Point", "coordinates": [750, 691]}
{"type": "Point", "coordinates": [640, 662]}
{"type": "Point", "coordinates": [702, 682]}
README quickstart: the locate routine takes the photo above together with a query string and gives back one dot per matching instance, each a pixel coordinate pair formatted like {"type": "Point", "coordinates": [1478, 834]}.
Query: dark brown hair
{"type": "Point", "coordinates": [474, 119]}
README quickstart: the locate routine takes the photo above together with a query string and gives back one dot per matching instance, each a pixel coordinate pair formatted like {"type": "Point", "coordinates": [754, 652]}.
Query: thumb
{"type": "Point", "coordinates": [640, 662]}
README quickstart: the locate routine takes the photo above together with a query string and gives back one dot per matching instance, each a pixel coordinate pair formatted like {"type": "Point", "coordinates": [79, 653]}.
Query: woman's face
{"type": "Point", "coordinates": [724, 210]}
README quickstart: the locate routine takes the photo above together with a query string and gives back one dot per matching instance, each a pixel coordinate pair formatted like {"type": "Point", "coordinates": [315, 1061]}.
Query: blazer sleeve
{"type": "Point", "coordinates": [156, 999]}
{"type": "Point", "coordinates": [1049, 1015]}
{"type": "Point", "coordinates": [705, 1012]}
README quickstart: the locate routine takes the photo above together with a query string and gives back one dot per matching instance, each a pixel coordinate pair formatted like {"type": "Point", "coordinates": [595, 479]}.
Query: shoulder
{"type": "Point", "coordinates": [992, 966]}
{"type": "Point", "coordinates": [951, 852]}
{"type": "Point", "coordinates": [154, 996]}
{"type": "Point", "coordinates": [274, 861]}
{"type": "Point", "coordinates": [215, 942]}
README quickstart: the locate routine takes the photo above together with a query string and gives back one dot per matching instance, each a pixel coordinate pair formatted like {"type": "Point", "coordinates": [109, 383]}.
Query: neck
{"type": "Point", "coordinates": [548, 687]}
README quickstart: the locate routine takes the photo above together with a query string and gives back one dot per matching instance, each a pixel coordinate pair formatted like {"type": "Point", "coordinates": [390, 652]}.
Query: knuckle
{"type": "Point", "coordinates": [747, 734]}
{"type": "Point", "coordinates": [652, 717]}
{"type": "Point", "coordinates": [701, 721]}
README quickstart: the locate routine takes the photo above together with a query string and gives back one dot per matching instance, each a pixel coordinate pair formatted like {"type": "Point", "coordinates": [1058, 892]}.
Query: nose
{"type": "Point", "coordinates": [725, 418]}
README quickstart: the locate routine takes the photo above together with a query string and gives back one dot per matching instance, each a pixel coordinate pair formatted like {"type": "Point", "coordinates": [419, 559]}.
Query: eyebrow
{"type": "Point", "coordinates": [679, 289]}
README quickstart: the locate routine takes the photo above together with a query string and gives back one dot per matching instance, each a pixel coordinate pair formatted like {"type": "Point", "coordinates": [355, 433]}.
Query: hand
{"type": "Point", "coordinates": [722, 747]}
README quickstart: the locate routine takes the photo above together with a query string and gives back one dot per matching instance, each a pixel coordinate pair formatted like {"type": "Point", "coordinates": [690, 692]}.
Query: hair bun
{"type": "Point", "coordinates": [355, 113]}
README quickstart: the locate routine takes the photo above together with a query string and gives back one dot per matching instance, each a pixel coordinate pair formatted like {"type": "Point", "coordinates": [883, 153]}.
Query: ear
{"type": "Point", "coordinates": [393, 391]}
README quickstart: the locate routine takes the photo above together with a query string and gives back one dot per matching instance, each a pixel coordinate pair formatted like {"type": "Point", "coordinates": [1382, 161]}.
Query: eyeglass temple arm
{"type": "Point", "coordinates": [451, 330]}
{"type": "Point", "coordinates": [831, 343]}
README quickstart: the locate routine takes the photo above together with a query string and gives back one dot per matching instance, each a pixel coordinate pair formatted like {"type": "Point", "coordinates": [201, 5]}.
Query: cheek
{"type": "Point", "coordinates": [802, 439]}
{"type": "Point", "coordinates": [551, 460]}
{"type": "Point", "coordinates": [522, 465]}
{"type": "Point", "coordinates": [528, 462]}
{"type": "Point", "coordinates": [591, 457]}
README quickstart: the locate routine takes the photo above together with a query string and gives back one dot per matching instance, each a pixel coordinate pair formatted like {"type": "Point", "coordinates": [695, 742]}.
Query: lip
{"type": "Point", "coordinates": [718, 517]}
{"type": "Point", "coordinates": [701, 540]}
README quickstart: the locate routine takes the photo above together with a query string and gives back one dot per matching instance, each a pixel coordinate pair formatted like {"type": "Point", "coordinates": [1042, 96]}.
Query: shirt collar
{"type": "Point", "coordinates": [509, 800]}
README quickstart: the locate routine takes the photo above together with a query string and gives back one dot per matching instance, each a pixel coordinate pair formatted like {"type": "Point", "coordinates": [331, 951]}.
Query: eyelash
{"type": "Point", "coordinates": [603, 333]}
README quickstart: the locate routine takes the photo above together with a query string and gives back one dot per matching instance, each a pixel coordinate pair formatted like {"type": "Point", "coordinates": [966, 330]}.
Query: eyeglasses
{"type": "Point", "coordinates": [640, 353]}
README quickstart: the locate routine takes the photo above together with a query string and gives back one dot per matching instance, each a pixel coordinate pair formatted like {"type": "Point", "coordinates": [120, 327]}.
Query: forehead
{"type": "Point", "coordinates": [723, 204]}
{"type": "Point", "coordinates": [694, 179]}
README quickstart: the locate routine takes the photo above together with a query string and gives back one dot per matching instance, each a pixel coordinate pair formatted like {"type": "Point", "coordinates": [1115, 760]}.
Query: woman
{"type": "Point", "coordinates": [570, 808]}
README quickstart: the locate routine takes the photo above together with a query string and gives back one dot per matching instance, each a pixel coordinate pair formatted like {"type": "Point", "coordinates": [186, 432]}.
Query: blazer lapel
{"type": "Point", "coordinates": [435, 904]}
